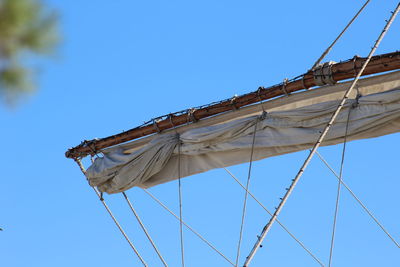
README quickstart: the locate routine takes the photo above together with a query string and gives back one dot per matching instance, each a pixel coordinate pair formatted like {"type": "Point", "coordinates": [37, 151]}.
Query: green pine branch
{"type": "Point", "coordinates": [28, 29]}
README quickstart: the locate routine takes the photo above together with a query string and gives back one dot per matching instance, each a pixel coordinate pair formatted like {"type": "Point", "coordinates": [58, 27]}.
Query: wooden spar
{"type": "Point", "coordinates": [339, 71]}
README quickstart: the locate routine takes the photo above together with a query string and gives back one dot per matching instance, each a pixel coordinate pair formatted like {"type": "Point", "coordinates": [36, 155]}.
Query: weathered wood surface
{"type": "Point", "coordinates": [340, 71]}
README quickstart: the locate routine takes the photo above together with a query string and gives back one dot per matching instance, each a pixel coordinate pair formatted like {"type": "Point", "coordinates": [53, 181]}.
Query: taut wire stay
{"type": "Point", "coordinates": [359, 201]}
{"type": "Point", "coordinates": [247, 191]}
{"type": "Point", "coordinates": [78, 161]}
{"type": "Point", "coordinates": [144, 229]}
{"type": "Point", "coordinates": [339, 186]}
{"type": "Point", "coordinates": [190, 228]}
{"type": "Point", "coordinates": [339, 36]}
{"type": "Point", "coordinates": [279, 222]}
{"type": "Point", "coordinates": [320, 139]}
{"type": "Point", "coordinates": [180, 204]}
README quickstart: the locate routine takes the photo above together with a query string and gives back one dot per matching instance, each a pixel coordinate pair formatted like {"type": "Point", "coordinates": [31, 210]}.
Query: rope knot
{"type": "Point", "coordinates": [233, 102]}
{"type": "Point", "coordinates": [191, 117]}
{"type": "Point", "coordinates": [356, 102]}
{"type": "Point", "coordinates": [155, 125]}
{"type": "Point", "coordinates": [283, 87]}
{"type": "Point", "coordinates": [323, 74]}
{"type": "Point", "coordinates": [263, 115]}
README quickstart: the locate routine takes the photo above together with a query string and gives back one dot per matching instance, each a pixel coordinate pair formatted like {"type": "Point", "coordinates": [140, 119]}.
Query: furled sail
{"type": "Point", "coordinates": [283, 125]}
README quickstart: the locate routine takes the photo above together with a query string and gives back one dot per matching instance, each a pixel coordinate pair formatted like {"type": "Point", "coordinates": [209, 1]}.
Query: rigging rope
{"type": "Point", "coordinates": [339, 36]}
{"type": "Point", "coordinates": [359, 201]}
{"type": "Point", "coordinates": [144, 229]}
{"type": "Point", "coordinates": [339, 186]}
{"type": "Point", "coordinates": [112, 216]}
{"type": "Point", "coordinates": [190, 228]}
{"type": "Point", "coordinates": [270, 213]}
{"type": "Point", "coordinates": [246, 193]}
{"type": "Point", "coordinates": [180, 203]}
{"type": "Point", "coordinates": [320, 139]}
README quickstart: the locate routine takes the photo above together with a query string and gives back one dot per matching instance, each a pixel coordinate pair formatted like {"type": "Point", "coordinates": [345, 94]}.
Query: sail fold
{"type": "Point", "coordinates": [225, 144]}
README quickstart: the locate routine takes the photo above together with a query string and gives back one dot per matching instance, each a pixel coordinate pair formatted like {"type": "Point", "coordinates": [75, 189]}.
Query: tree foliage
{"type": "Point", "coordinates": [27, 30]}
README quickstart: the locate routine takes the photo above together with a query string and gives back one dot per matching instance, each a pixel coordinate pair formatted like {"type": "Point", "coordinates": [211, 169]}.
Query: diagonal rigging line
{"type": "Point", "coordinates": [270, 213]}
{"type": "Point", "coordinates": [359, 201]}
{"type": "Point", "coordinates": [144, 229]}
{"type": "Point", "coordinates": [339, 186]}
{"type": "Point", "coordinates": [321, 138]}
{"type": "Point", "coordinates": [340, 35]}
{"type": "Point", "coordinates": [180, 204]}
{"type": "Point", "coordinates": [78, 161]}
{"type": "Point", "coordinates": [190, 228]}
{"type": "Point", "coordinates": [246, 193]}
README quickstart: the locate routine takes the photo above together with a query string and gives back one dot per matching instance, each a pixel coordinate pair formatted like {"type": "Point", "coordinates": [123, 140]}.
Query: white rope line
{"type": "Point", "coordinates": [180, 203]}
{"type": "Point", "coordinates": [319, 141]}
{"type": "Point", "coordinates": [246, 193]}
{"type": "Point", "coordinates": [339, 186]}
{"type": "Point", "coordinates": [112, 216]}
{"type": "Point", "coordinates": [144, 229]}
{"type": "Point", "coordinates": [190, 228]}
{"type": "Point", "coordinates": [359, 201]}
{"type": "Point", "coordinates": [278, 221]}
{"type": "Point", "coordinates": [340, 35]}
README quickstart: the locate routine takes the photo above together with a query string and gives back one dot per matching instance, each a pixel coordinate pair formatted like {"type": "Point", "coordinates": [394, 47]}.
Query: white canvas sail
{"type": "Point", "coordinates": [290, 124]}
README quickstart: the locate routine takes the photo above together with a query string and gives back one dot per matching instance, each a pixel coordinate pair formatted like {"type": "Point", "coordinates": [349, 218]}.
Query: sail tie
{"type": "Point", "coordinates": [283, 87]}
{"type": "Point", "coordinates": [260, 99]}
{"type": "Point", "coordinates": [191, 117]}
{"type": "Point", "coordinates": [323, 74]}
{"type": "Point", "coordinates": [155, 125]}
{"type": "Point", "coordinates": [233, 102]}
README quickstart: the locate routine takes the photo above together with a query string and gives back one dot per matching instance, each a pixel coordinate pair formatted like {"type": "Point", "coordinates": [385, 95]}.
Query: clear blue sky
{"type": "Point", "coordinates": [124, 62]}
